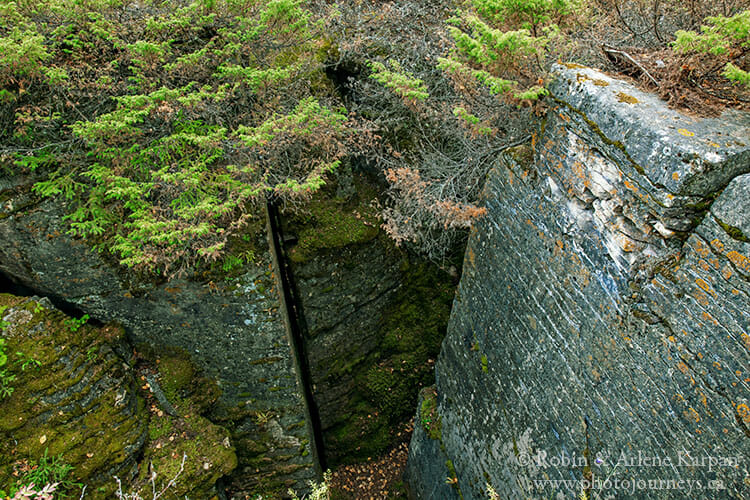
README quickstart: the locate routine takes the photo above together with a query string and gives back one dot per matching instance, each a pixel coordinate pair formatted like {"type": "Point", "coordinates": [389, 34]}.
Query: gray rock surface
{"type": "Point", "coordinates": [374, 318]}
{"type": "Point", "coordinates": [601, 325]}
{"type": "Point", "coordinates": [233, 329]}
{"type": "Point", "coordinates": [344, 297]}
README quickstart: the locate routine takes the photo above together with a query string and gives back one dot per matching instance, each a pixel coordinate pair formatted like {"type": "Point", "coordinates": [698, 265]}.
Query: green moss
{"type": "Point", "coordinates": [733, 231]}
{"type": "Point", "coordinates": [484, 364]}
{"type": "Point", "coordinates": [362, 435]}
{"type": "Point", "coordinates": [522, 154]}
{"type": "Point", "coordinates": [329, 223]}
{"type": "Point", "coordinates": [52, 405]}
{"type": "Point", "coordinates": [159, 428]}
{"type": "Point", "coordinates": [623, 97]}
{"type": "Point", "coordinates": [453, 478]}
{"type": "Point", "coordinates": [207, 458]}
{"type": "Point", "coordinates": [451, 469]}
{"type": "Point", "coordinates": [429, 417]}
{"type": "Point", "coordinates": [386, 382]}
{"type": "Point", "coordinates": [176, 374]}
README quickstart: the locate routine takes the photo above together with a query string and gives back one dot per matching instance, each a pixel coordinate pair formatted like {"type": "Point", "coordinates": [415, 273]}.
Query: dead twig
{"type": "Point", "coordinates": [620, 56]}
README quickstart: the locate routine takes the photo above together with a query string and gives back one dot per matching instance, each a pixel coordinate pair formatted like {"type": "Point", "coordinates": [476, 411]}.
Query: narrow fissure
{"type": "Point", "coordinates": [296, 325]}
{"type": "Point", "coordinates": [9, 285]}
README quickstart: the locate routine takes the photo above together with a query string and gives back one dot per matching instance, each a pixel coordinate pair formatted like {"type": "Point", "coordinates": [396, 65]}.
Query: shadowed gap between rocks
{"type": "Point", "coordinates": [296, 324]}
{"type": "Point", "coordinates": [8, 285]}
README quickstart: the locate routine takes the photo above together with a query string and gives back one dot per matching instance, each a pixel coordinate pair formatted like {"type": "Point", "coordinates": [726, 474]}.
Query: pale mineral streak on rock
{"type": "Point", "coordinates": [604, 308]}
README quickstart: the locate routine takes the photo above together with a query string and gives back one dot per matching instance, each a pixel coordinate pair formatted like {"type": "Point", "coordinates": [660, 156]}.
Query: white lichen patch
{"type": "Point", "coordinates": [14, 319]}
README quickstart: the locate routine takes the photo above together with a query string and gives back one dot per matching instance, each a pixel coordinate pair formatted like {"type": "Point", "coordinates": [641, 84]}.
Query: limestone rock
{"type": "Point", "coordinates": [230, 323]}
{"type": "Point", "coordinates": [601, 326]}
{"type": "Point", "coordinates": [72, 395]}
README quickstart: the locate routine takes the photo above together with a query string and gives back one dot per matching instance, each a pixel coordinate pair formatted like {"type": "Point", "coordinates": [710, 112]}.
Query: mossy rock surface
{"type": "Point", "coordinates": [206, 448]}
{"type": "Point", "coordinates": [331, 222]}
{"type": "Point", "coordinates": [77, 399]}
{"type": "Point", "coordinates": [184, 446]}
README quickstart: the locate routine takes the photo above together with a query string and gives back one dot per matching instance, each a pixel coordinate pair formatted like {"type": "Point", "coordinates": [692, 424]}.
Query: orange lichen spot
{"type": "Point", "coordinates": [670, 196]}
{"type": "Point", "coordinates": [690, 413]}
{"type": "Point", "coordinates": [739, 260]}
{"type": "Point", "coordinates": [679, 397]}
{"type": "Point", "coordinates": [623, 97]}
{"type": "Point", "coordinates": [685, 132]}
{"type": "Point", "coordinates": [735, 291]}
{"type": "Point", "coordinates": [713, 144]}
{"type": "Point", "coordinates": [676, 176]}
{"type": "Point", "coordinates": [745, 340]}
{"type": "Point", "coordinates": [564, 117]}
{"type": "Point", "coordinates": [701, 248]}
{"type": "Point", "coordinates": [703, 398]}
{"type": "Point", "coordinates": [726, 271]}
{"type": "Point", "coordinates": [718, 245]}
{"type": "Point", "coordinates": [738, 373]}
{"type": "Point", "coordinates": [744, 412]}
{"type": "Point", "coordinates": [701, 297]}
{"type": "Point", "coordinates": [709, 318]}
{"type": "Point", "coordinates": [630, 186]}
{"type": "Point", "coordinates": [705, 286]}
{"type": "Point", "coordinates": [672, 339]}
{"type": "Point", "coordinates": [579, 170]}
{"type": "Point", "coordinates": [700, 355]}
{"type": "Point", "coordinates": [470, 254]}
{"type": "Point", "coordinates": [704, 265]}
{"type": "Point", "coordinates": [683, 367]}
{"type": "Point", "coordinates": [717, 365]}
{"type": "Point", "coordinates": [629, 245]}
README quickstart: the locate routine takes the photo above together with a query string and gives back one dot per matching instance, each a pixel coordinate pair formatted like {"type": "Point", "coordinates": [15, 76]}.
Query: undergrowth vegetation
{"type": "Point", "coordinates": [164, 125]}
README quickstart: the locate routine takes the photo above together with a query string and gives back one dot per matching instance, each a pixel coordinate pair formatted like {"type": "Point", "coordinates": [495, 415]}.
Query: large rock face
{"type": "Point", "coordinates": [233, 328]}
{"type": "Point", "coordinates": [66, 391]}
{"type": "Point", "coordinates": [69, 391]}
{"type": "Point", "coordinates": [601, 326]}
{"type": "Point", "coordinates": [374, 318]}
